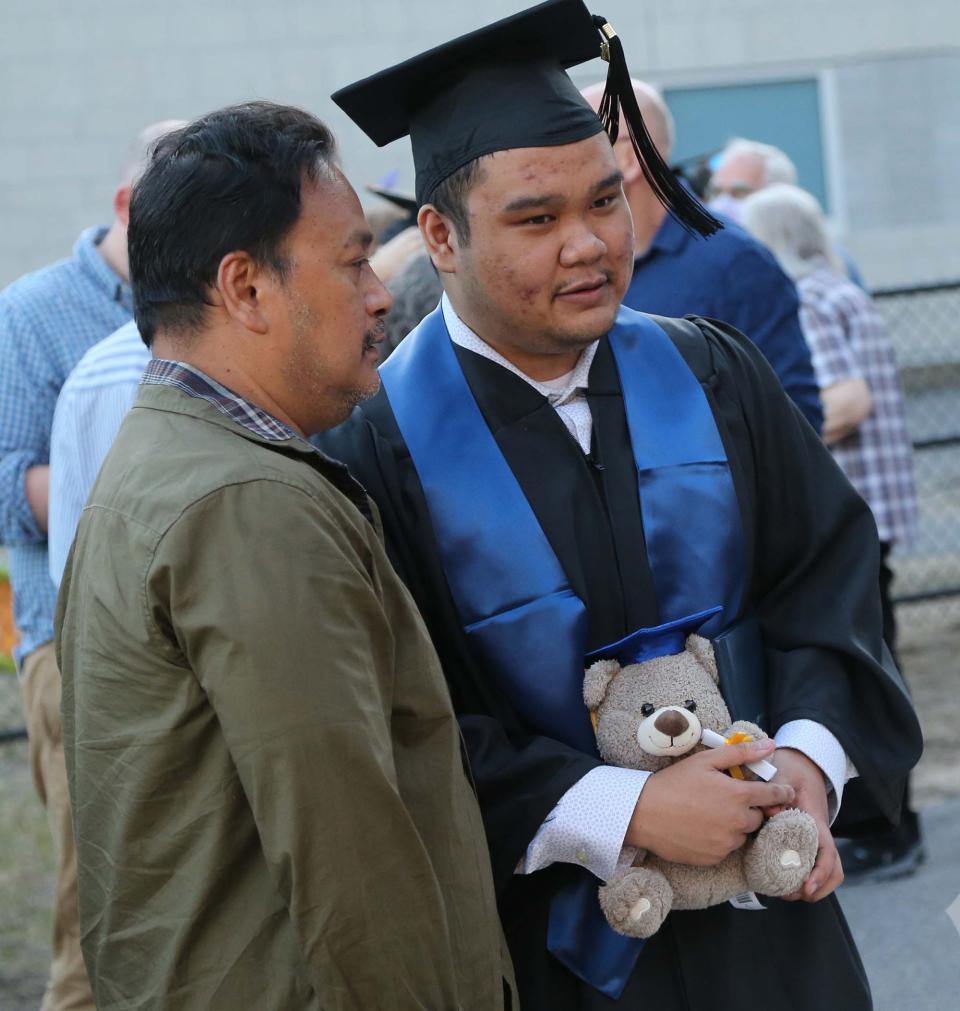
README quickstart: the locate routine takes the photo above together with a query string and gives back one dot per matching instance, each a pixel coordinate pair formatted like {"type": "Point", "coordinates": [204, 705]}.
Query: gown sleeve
{"type": "Point", "coordinates": [519, 777]}
{"type": "Point", "coordinates": [814, 585]}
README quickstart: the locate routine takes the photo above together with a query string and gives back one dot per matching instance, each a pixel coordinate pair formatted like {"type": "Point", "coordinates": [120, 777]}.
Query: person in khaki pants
{"type": "Point", "coordinates": [68, 987]}
{"type": "Point", "coordinates": [48, 320]}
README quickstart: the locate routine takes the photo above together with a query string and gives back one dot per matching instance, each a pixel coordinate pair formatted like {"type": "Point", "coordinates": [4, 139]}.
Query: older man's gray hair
{"type": "Point", "coordinates": [141, 149]}
{"type": "Point", "coordinates": [776, 165]}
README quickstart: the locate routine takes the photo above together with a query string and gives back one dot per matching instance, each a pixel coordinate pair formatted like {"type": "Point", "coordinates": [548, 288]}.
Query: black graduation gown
{"type": "Point", "coordinates": [812, 562]}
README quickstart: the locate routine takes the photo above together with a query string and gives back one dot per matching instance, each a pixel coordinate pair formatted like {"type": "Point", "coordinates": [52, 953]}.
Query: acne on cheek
{"type": "Point", "coordinates": [625, 246]}
{"type": "Point", "coordinates": [526, 295]}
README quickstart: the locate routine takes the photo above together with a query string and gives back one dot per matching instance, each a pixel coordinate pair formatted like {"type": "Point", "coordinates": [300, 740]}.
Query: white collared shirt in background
{"type": "Point", "coordinates": [94, 401]}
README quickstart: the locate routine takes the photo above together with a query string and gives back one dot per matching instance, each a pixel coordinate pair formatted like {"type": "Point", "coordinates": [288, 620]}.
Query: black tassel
{"type": "Point", "coordinates": [617, 94]}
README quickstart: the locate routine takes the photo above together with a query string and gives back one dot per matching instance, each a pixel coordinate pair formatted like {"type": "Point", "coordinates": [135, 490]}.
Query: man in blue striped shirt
{"type": "Point", "coordinates": [48, 319]}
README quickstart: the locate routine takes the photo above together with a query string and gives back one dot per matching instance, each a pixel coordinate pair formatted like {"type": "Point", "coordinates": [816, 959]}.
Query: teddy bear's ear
{"type": "Point", "coordinates": [702, 649]}
{"type": "Point", "coordinates": [597, 680]}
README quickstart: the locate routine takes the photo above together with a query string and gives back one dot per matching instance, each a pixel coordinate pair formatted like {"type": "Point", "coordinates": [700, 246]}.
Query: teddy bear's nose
{"type": "Point", "coordinates": [671, 723]}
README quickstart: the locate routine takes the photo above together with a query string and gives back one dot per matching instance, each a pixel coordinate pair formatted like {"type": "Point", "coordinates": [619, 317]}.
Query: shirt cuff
{"type": "Point", "coordinates": [824, 750]}
{"type": "Point", "coordinates": [588, 825]}
{"type": "Point", "coordinates": [18, 525]}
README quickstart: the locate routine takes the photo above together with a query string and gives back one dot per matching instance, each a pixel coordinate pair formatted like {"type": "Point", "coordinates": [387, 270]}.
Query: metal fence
{"type": "Point", "coordinates": [924, 323]}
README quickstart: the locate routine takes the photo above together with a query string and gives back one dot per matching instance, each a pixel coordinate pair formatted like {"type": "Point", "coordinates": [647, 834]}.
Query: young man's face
{"type": "Point", "coordinates": [327, 341]}
{"type": "Point", "coordinates": [550, 251]}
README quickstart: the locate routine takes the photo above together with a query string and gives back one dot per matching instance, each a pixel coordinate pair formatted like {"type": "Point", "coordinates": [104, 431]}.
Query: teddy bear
{"type": "Point", "coordinates": [648, 715]}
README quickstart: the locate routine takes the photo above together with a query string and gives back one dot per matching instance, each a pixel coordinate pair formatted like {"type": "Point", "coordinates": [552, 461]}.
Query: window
{"type": "Point", "coordinates": [783, 113]}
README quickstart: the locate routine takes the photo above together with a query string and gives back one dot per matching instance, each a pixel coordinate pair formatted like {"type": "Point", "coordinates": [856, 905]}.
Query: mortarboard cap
{"type": "Point", "coordinates": [649, 643]}
{"type": "Point", "coordinates": [406, 202]}
{"type": "Point", "coordinates": [505, 86]}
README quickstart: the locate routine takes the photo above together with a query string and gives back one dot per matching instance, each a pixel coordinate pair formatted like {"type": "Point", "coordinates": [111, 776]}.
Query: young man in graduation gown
{"type": "Point", "coordinates": [555, 473]}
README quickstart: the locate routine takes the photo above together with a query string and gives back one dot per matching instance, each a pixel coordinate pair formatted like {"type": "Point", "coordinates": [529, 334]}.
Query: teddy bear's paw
{"type": "Point", "coordinates": [781, 857]}
{"type": "Point", "coordinates": [636, 901]}
{"type": "Point", "coordinates": [746, 727]}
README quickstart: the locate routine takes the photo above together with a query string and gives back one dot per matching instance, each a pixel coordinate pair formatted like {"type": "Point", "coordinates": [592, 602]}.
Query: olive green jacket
{"type": "Point", "coordinates": [270, 804]}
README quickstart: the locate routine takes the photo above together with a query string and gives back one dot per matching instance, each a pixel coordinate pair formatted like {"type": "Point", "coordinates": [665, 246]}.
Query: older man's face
{"type": "Point", "coordinates": [738, 176]}
{"type": "Point", "coordinates": [326, 339]}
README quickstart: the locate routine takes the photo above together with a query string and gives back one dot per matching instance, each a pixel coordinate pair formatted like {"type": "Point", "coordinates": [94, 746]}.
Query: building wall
{"type": "Point", "coordinates": [79, 80]}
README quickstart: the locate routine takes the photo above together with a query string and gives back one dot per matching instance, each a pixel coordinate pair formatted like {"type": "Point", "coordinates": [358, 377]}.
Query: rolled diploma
{"type": "Point", "coordinates": [764, 769]}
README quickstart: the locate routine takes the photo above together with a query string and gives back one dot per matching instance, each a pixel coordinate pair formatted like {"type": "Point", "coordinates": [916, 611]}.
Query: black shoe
{"type": "Point", "coordinates": [881, 858]}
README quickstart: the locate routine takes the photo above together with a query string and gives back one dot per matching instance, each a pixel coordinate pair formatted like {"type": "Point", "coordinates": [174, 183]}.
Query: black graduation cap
{"type": "Point", "coordinates": [406, 202]}
{"type": "Point", "coordinates": [504, 86]}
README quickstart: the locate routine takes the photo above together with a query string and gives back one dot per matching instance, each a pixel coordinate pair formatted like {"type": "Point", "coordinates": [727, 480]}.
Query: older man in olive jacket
{"type": "Point", "coordinates": [271, 808]}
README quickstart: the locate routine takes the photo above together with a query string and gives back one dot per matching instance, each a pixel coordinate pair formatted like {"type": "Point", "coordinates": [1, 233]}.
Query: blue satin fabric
{"type": "Point", "coordinates": [691, 519]}
{"type": "Point", "coordinates": [522, 619]}
{"type": "Point", "coordinates": [579, 937]}
{"type": "Point", "coordinates": [548, 631]}
{"type": "Point", "coordinates": [520, 615]}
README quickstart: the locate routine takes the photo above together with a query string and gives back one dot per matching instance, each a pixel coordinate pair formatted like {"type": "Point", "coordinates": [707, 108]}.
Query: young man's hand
{"type": "Point", "coordinates": [692, 812]}
{"type": "Point", "coordinates": [807, 780]}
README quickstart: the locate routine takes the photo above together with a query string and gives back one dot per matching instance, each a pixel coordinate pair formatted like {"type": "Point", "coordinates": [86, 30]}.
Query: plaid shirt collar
{"type": "Point", "coordinates": [161, 372]}
{"type": "Point", "coordinates": [98, 270]}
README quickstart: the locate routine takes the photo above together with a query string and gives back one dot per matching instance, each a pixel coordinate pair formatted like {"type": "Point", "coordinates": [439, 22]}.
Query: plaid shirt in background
{"type": "Point", "coordinates": [848, 340]}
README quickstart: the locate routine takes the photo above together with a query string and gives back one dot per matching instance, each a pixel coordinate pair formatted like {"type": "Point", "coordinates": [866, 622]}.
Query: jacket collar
{"type": "Point", "coordinates": [177, 400]}
{"type": "Point", "coordinates": [193, 382]}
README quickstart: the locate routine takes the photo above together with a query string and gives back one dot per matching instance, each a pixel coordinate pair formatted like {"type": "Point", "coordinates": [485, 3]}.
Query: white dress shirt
{"type": "Point", "coordinates": [588, 824]}
{"type": "Point", "coordinates": [94, 401]}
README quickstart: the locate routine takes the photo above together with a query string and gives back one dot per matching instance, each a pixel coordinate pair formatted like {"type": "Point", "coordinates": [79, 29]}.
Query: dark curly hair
{"type": "Point", "coordinates": [228, 181]}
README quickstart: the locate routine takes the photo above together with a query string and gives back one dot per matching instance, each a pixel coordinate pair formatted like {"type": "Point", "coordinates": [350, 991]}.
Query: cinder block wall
{"type": "Point", "coordinates": [79, 80]}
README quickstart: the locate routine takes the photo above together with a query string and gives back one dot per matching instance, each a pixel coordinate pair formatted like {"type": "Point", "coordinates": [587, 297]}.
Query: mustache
{"type": "Point", "coordinates": [375, 335]}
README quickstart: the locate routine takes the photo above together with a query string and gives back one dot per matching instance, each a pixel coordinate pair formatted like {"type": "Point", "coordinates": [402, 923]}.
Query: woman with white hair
{"type": "Point", "coordinates": [864, 425]}
{"type": "Point", "coordinates": [788, 220]}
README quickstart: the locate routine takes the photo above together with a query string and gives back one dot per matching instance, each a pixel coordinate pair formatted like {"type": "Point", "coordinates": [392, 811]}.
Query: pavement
{"type": "Point", "coordinates": [909, 943]}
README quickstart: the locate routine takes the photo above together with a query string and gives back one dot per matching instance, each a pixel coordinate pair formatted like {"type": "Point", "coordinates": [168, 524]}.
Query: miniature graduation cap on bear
{"type": "Point", "coordinates": [505, 86]}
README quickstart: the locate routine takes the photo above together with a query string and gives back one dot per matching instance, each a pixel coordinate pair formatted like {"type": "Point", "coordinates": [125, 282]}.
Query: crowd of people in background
{"type": "Point", "coordinates": [72, 360]}
{"type": "Point", "coordinates": [48, 321]}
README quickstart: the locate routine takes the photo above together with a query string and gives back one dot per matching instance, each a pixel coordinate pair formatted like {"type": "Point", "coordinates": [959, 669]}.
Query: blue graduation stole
{"type": "Point", "coordinates": [522, 621]}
